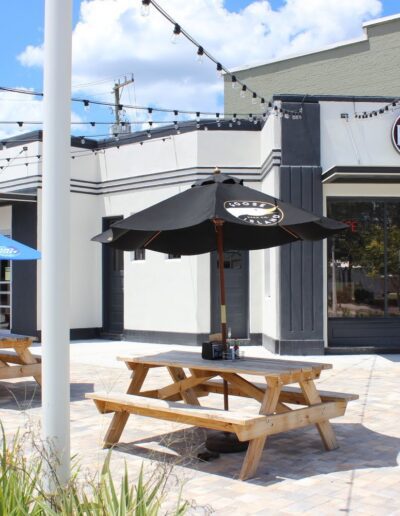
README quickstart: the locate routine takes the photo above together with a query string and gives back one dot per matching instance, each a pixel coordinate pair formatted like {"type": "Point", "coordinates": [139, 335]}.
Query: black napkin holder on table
{"type": "Point", "coordinates": [212, 350]}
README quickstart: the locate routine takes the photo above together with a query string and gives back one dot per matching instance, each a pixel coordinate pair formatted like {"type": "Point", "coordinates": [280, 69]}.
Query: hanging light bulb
{"type": "Point", "coordinates": [145, 9]}
{"type": "Point", "coordinates": [254, 99]}
{"type": "Point", "coordinates": [234, 118]}
{"type": "Point", "coordinates": [219, 70]}
{"type": "Point", "coordinates": [234, 82]}
{"type": "Point", "coordinates": [200, 54]}
{"type": "Point", "coordinates": [218, 119]}
{"type": "Point", "coordinates": [83, 141]}
{"type": "Point", "coordinates": [116, 137]}
{"type": "Point", "coordinates": [175, 34]}
{"type": "Point", "coordinates": [264, 116]}
{"type": "Point", "coordinates": [250, 117]}
{"type": "Point", "coordinates": [149, 114]}
{"type": "Point", "coordinates": [148, 134]}
{"type": "Point", "coordinates": [86, 105]}
{"type": "Point", "coordinates": [197, 120]}
{"type": "Point", "coordinates": [243, 92]}
{"type": "Point", "coordinates": [262, 102]}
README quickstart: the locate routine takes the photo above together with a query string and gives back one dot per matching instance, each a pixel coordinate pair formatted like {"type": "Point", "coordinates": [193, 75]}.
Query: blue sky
{"type": "Point", "coordinates": [17, 32]}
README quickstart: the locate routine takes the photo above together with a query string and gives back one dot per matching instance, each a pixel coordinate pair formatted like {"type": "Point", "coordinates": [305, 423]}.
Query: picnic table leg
{"type": "Point", "coordinates": [324, 428]}
{"type": "Point", "coordinates": [189, 396]}
{"type": "Point", "coordinates": [27, 358]}
{"type": "Point", "coordinates": [256, 446]}
{"type": "Point", "coordinates": [119, 419]}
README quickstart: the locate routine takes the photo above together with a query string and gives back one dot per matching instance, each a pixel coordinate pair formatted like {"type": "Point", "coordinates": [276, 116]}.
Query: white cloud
{"type": "Point", "coordinates": [111, 38]}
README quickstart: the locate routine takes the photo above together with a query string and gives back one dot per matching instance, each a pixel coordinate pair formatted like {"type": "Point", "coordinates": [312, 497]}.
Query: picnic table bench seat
{"type": "Point", "coordinates": [11, 356]}
{"type": "Point", "coordinates": [247, 427]}
{"type": "Point", "coordinates": [289, 394]}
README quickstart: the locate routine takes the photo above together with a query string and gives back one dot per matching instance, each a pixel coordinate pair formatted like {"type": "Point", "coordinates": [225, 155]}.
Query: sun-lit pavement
{"type": "Point", "coordinates": [295, 476]}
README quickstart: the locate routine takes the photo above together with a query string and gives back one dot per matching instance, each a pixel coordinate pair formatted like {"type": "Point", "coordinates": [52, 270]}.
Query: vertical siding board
{"type": "Point", "coordinates": [301, 262]}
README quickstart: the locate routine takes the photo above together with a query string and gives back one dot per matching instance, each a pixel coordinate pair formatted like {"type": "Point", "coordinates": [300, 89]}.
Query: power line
{"type": "Point", "coordinates": [272, 107]}
{"type": "Point", "coordinates": [178, 30]}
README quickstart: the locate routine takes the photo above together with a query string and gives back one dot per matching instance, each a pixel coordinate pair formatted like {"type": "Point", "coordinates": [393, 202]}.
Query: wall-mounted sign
{"type": "Point", "coordinates": [396, 134]}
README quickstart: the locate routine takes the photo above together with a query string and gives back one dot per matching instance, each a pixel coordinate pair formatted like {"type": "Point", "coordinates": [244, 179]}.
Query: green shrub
{"type": "Point", "coordinates": [22, 492]}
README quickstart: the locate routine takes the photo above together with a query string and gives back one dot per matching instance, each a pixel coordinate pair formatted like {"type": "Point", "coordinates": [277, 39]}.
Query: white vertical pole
{"type": "Point", "coordinates": [56, 235]}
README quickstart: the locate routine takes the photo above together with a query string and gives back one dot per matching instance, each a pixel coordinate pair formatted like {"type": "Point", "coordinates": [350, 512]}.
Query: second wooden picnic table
{"type": "Point", "coordinates": [16, 359]}
{"type": "Point", "coordinates": [276, 413]}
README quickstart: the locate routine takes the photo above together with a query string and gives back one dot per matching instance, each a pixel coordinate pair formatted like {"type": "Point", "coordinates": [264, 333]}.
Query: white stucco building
{"type": "Point", "coordinates": [300, 298]}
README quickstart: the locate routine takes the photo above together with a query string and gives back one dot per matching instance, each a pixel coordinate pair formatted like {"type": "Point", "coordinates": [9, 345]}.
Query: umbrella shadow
{"type": "Point", "coordinates": [27, 394]}
{"type": "Point", "coordinates": [292, 455]}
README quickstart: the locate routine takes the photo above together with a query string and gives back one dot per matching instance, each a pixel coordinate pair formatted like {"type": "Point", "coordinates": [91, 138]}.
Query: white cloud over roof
{"type": "Point", "coordinates": [112, 38]}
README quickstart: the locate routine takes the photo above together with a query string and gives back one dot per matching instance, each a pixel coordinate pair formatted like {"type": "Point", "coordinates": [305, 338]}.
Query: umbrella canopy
{"type": "Point", "coordinates": [185, 223]}
{"type": "Point", "coordinates": [13, 250]}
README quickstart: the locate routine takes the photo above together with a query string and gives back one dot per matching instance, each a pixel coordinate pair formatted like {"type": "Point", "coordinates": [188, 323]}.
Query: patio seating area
{"type": "Point", "coordinates": [360, 477]}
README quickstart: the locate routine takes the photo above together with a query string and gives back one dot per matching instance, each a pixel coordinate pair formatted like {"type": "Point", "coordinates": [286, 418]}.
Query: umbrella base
{"type": "Point", "coordinates": [224, 442]}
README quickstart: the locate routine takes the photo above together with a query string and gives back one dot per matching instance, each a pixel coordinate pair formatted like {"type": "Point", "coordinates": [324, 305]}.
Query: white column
{"type": "Point", "coordinates": [56, 234]}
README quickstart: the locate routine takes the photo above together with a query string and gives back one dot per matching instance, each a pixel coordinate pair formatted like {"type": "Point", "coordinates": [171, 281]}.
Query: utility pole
{"type": "Point", "coordinates": [118, 86]}
{"type": "Point", "coordinates": [56, 240]}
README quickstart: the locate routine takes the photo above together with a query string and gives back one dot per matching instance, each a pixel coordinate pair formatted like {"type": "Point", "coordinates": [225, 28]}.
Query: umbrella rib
{"type": "Point", "coordinates": [290, 232]}
{"type": "Point", "coordinates": [151, 239]}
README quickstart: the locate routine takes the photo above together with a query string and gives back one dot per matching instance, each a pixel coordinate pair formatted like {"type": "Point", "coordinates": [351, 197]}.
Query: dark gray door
{"type": "Point", "coordinates": [236, 267]}
{"type": "Point", "coordinates": [113, 285]}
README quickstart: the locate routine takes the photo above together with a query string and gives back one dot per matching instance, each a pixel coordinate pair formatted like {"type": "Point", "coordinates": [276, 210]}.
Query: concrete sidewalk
{"type": "Point", "coordinates": [295, 476]}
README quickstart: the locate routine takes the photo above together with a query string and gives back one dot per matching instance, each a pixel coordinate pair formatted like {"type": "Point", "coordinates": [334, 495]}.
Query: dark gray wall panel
{"type": "Point", "coordinates": [301, 138]}
{"type": "Point", "coordinates": [377, 333]}
{"type": "Point", "coordinates": [301, 282]}
{"type": "Point", "coordinates": [24, 275]}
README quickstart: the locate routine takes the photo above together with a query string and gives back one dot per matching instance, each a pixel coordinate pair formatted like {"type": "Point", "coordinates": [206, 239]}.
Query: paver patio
{"type": "Point", "coordinates": [295, 476]}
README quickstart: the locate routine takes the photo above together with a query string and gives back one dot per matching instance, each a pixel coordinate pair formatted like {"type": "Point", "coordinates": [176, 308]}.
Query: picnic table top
{"type": "Point", "coordinates": [248, 365]}
{"type": "Point", "coordinates": [8, 340]}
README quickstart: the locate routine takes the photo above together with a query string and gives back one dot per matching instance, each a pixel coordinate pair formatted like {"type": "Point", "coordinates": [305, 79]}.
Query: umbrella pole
{"type": "Point", "coordinates": [220, 248]}
{"type": "Point", "coordinates": [223, 442]}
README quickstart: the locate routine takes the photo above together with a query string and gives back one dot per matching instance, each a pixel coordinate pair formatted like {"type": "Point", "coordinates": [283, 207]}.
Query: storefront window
{"type": "Point", "coordinates": [364, 261]}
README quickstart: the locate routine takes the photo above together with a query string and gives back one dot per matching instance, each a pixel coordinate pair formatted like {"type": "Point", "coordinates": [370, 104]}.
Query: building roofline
{"type": "Point", "coordinates": [304, 98]}
{"type": "Point", "coordinates": [379, 21]}
{"type": "Point", "coordinates": [135, 137]}
{"type": "Point", "coordinates": [353, 41]}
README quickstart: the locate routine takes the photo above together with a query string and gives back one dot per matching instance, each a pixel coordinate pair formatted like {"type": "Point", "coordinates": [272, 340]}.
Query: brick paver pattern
{"type": "Point", "coordinates": [296, 475]}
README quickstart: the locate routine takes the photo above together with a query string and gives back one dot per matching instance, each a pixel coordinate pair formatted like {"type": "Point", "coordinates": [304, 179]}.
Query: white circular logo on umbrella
{"type": "Point", "coordinates": [8, 251]}
{"type": "Point", "coordinates": [259, 213]}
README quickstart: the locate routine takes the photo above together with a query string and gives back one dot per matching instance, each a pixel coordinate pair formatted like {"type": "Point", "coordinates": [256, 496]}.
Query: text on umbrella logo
{"type": "Point", "coordinates": [8, 251]}
{"type": "Point", "coordinates": [259, 213]}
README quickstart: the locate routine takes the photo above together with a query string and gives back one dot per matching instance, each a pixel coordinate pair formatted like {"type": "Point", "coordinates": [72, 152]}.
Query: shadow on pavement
{"type": "Point", "coordinates": [27, 395]}
{"type": "Point", "coordinates": [292, 455]}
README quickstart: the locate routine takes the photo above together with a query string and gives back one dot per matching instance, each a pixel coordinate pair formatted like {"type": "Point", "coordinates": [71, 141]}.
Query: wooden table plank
{"type": "Point", "coordinates": [251, 366]}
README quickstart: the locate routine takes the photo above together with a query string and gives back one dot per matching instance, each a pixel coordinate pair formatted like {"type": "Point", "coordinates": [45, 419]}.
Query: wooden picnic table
{"type": "Point", "coordinates": [16, 359]}
{"type": "Point", "coordinates": [277, 412]}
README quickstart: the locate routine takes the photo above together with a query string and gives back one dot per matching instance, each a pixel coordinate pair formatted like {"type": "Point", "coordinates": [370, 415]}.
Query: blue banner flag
{"type": "Point", "coordinates": [13, 250]}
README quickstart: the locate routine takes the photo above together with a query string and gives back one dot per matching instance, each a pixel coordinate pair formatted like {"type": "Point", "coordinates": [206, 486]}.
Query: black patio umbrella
{"type": "Point", "coordinates": [217, 213]}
